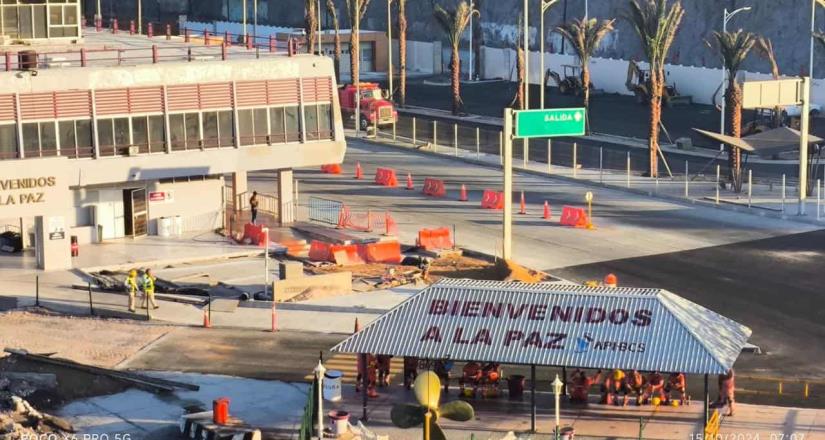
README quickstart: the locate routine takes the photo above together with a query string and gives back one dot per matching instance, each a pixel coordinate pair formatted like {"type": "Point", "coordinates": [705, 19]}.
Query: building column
{"type": "Point", "coordinates": [52, 245]}
{"type": "Point", "coordinates": [286, 197]}
{"type": "Point", "coordinates": [239, 188]}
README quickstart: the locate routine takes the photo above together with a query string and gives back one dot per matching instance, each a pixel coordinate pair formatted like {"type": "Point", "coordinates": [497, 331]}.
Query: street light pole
{"type": "Point", "coordinates": [813, 20]}
{"type": "Point", "coordinates": [526, 59]}
{"type": "Point", "coordinates": [244, 19]}
{"type": "Point", "coordinates": [389, 46]}
{"type": "Point", "coordinates": [545, 5]}
{"type": "Point", "coordinates": [320, 52]}
{"type": "Point", "coordinates": [470, 74]}
{"type": "Point", "coordinates": [725, 18]}
{"type": "Point", "coordinates": [254, 20]}
{"type": "Point", "coordinates": [557, 387]}
{"type": "Point", "coordinates": [140, 17]}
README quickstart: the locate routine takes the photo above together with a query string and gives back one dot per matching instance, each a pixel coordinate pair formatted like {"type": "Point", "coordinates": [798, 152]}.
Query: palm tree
{"type": "Point", "coordinates": [454, 22]}
{"type": "Point", "coordinates": [333, 13]}
{"type": "Point", "coordinates": [734, 47]}
{"type": "Point", "coordinates": [765, 48]}
{"type": "Point", "coordinates": [656, 25]}
{"type": "Point", "coordinates": [518, 99]}
{"type": "Point", "coordinates": [402, 52]}
{"type": "Point", "coordinates": [355, 11]}
{"type": "Point", "coordinates": [584, 37]}
{"type": "Point", "coordinates": [311, 24]}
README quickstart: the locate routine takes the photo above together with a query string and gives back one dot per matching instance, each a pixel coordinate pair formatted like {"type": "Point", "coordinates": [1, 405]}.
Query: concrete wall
{"type": "Point", "coordinates": [198, 202]}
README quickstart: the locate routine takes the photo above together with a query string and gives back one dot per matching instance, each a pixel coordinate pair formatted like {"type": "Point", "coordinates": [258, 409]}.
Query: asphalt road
{"type": "Point", "coordinates": [776, 286]}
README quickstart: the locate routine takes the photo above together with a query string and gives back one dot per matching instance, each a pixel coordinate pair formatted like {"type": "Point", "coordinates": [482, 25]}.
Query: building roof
{"type": "Point", "coordinates": [555, 325]}
{"type": "Point", "coordinates": [766, 143]}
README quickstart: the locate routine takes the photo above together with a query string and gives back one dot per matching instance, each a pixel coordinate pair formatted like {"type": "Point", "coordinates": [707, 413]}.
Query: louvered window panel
{"type": "Point", "coordinates": [37, 106]}
{"type": "Point", "coordinates": [283, 91]}
{"type": "Point", "coordinates": [317, 89]}
{"type": "Point", "coordinates": [215, 95]}
{"type": "Point", "coordinates": [112, 102]}
{"type": "Point", "coordinates": [251, 93]}
{"type": "Point", "coordinates": [146, 100]}
{"type": "Point", "coordinates": [183, 97]}
{"type": "Point", "coordinates": [7, 108]}
{"type": "Point", "coordinates": [73, 104]}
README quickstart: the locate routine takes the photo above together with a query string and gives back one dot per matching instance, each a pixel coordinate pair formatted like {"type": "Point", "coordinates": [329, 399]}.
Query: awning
{"type": "Point", "coordinates": [555, 325]}
{"type": "Point", "coordinates": [767, 143]}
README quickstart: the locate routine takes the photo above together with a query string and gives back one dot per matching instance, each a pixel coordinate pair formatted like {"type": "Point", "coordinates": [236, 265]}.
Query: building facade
{"type": "Point", "coordinates": [32, 20]}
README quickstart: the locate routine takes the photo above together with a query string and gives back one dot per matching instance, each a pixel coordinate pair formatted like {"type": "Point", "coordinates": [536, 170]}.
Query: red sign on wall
{"type": "Point", "coordinates": [157, 196]}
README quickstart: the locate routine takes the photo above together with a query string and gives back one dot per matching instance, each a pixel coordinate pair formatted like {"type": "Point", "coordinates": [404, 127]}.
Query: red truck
{"type": "Point", "coordinates": [373, 105]}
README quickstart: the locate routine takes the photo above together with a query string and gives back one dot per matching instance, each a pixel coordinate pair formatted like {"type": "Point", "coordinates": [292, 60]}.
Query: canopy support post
{"type": "Point", "coordinates": [707, 402]}
{"type": "Point", "coordinates": [365, 384]}
{"type": "Point", "coordinates": [532, 398]}
{"type": "Point", "coordinates": [564, 380]}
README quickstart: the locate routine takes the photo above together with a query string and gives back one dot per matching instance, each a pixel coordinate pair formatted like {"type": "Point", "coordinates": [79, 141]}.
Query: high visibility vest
{"type": "Point", "coordinates": [149, 284]}
{"type": "Point", "coordinates": [131, 283]}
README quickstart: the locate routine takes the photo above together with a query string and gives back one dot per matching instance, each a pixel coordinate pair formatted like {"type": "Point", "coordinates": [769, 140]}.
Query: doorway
{"type": "Point", "coordinates": [136, 215]}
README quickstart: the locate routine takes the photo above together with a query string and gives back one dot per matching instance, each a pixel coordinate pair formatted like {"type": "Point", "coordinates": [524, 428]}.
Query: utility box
{"type": "Point", "coordinates": [684, 143]}
{"type": "Point", "coordinates": [290, 270]}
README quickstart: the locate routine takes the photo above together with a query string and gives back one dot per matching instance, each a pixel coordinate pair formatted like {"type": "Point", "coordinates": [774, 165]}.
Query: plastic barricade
{"type": "Point", "coordinates": [254, 233]}
{"type": "Point", "coordinates": [386, 177]}
{"type": "Point", "coordinates": [575, 217]}
{"type": "Point", "coordinates": [319, 251]}
{"type": "Point", "coordinates": [331, 169]}
{"type": "Point", "coordinates": [345, 255]}
{"type": "Point", "coordinates": [435, 239]}
{"type": "Point", "coordinates": [388, 252]}
{"type": "Point", "coordinates": [434, 188]}
{"type": "Point", "coordinates": [492, 199]}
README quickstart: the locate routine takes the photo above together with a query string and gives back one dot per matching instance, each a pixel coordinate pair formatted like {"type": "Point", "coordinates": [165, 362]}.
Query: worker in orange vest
{"type": "Point", "coordinates": [383, 363]}
{"type": "Point", "coordinates": [582, 384]}
{"type": "Point", "coordinates": [634, 383]}
{"type": "Point", "coordinates": [727, 386]}
{"type": "Point", "coordinates": [655, 387]}
{"type": "Point", "coordinates": [676, 382]}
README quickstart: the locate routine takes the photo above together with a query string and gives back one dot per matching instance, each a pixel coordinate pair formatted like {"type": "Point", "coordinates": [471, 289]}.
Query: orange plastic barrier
{"type": "Point", "coordinates": [492, 199]}
{"type": "Point", "coordinates": [386, 177]}
{"type": "Point", "coordinates": [255, 233]}
{"type": "Point", "coordinates": [345, 255]}
{"type": "Point", "coordinates": [434, 187]}
{"type": "Point", "coordinates": [434, 239]}
{"type": "Point", "coordinates": [331, 169]}
{"type": "Point", "coordinates": [575, 217]}
{"type": "Point", "coordinates": [388, 252]}
{"type": "Point", "coordinates": [319, 251]}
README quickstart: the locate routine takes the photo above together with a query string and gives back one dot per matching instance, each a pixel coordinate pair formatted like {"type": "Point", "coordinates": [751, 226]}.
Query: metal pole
{"type": "Point", "coordinates": [365, 383]}
{"type": "Point", "coordinates": [413, 132]}
{"type": "Point", "coordinates": [501, 147]}
{"type": "Point", "coordinates": [575, 159]}
{"type": "Point", "coordinates": [470, 67]}
{"type": "Point", "coordinates": [319, 376]}
{"type": "Point", "coordinates": [717, 183]}
{"type": "Point", "coordinates": [750, 188]}
{"type": "Point", "coordinates": [556, 396]}
{"type": "Point", "coordinates": [601, 164]}
{"type": "Point", "coordinates": [357, 103]}
{"type": "Point", "coordinates": [455, 139]}
{"type": "Point", "coordinates": [549, 155]}
{"type": "Point", "coordinates": [507, 244]}
{"type": "Point", "coordinates": [526, 57]}
{"type": "Point", "coordinates": [393, 130]}
{"type": "Point", "coordinates": [803, 144]}
{"type": "Point", "coordinates": [783, 193]}
{"type": "Point", "coordinates": [435, 136]}
{"type": "Point", "coordinates": [92, 307]}
{"type": "Point", "coordinates": [818, 200]}
{"type": "Point", "coordinates": [532, 398]}
{"type": "Point", "coordinates": [266, 264]}
{"type": "Point", "coordinates": [628, 169]}
{"type": "Point", "coordinates": [706, 403]}
{"type": "Point", "coordinates": [255, 20]}
{"type": "Point", "coordinates": [320, 51]}
{"type": "Point", "coordinates": [724, 85]}
{"type": "Point", "coordinates": [687, 181]}
{"type": "Point", "coordinates": [389, 47]}
{"type": "Point", "coordinates": [525, 152]}
{"type": "Point", "coordinates": [37, 286]}
{"type": "Point", "coordinates": [541, 57]}
{"type": "Point", "coordinates": [813, 29]}
{"type": "Point", "coordinates": [478, 143]}
{"type": "Point", "coordinates": [243, 5]}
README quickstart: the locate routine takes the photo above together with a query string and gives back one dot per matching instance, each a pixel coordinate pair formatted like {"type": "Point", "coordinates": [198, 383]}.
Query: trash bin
{"type": "Point", "coordinates": [339, 421]}
{"type": "Point", "coordinates": [74, 246]}
{"type": "Point", "coordinates": [178, 226]}
{"type": "Point", "coordinates": [27, 60]}
{"type": "Point", "coordinates": [332, 385]}
{"type": "Point", "coordinates": [515, 386]}
{"type": "Point", "coordinates": [165, 227]}
{"type": "Point", "coordinates": [220, 410]}
{"type": "Point", "coordinates": [567, 433]}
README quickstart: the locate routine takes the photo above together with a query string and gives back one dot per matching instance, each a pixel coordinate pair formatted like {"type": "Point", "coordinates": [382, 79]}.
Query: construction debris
{"type": "Point", "coordinates": [20, 420]}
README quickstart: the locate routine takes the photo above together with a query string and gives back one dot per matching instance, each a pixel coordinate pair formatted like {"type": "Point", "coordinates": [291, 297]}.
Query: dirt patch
{"type": "Point", "coordinates": [93, 341]}
{"type": "Point", "coordinates": [453, 267]}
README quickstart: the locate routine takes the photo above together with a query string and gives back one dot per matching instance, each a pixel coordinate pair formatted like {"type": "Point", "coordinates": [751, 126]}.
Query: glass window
{"type": "Point", "coordinates": [246, 126]}
{"type": "Point", "coordinates": [325, 121]}
{"type": "Point", "coordinates": [68, 140]}
{"type": "Point", "coordinates": [122, 132]}
{"type": "Point", "coordinates": [83, 134]}
{"type": "Point", "coordinates": [261, 125]}
{"type": "Point", "coordinates": [10, 22]}
{"type": "Point", "coordinates": [56, 14]}
{"type": "Point", "coordinates": [292, 123]}
{"type": "Point", "coordinates": [311, 119]}
{"type": "Point", "coordinates": [70, 15]}
{"type": "Point", "coordinates": [140, 133]}
{"type": "Point", "coordinates": [227, 129]}
{"type": "Point", "coordinates": [192, 130]}
{"type": "Point", "coordinates": [40, 21]}
{"type": "Point", "coordinates": [48, 139]}
{"type": "Point", "coordinates": [276, 125]}
{"type": "Point", "coordinates": [210, 129]}
{"type": "Point", "coordinates": [105, 136]}
{"type": "Point", "coordinates": [177, 132]}
{"type": "Point", "coordinates": [31, 139]}
{"type": "Point", "coordinates": [8, 141]}
{"type": "Point", "coordinates": [157, 134]}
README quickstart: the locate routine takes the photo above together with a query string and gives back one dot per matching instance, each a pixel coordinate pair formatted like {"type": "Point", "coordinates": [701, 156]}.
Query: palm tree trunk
{"type": "Point", "coordinates": [734, 104]}
{"type": "Point", "coordinates": [311, 26]}
{"type": "Point", "coordinates": [455, 71]}
{"type": "Point", "coordinates": [586, 85]}
{"type": "Point", "coordinates": [402, 52]}
{"type": "Point", "coordinates": [520, 74]}
{"type": "Point", "coordinates": [337, 53]}
{"type": "Point", "coordinates": [655, 120]}
{"type": "Point", "coordinates": [354, 43]}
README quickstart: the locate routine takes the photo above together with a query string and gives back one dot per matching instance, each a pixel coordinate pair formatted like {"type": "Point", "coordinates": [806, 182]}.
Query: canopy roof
{"type": "Point", "coordinates": [767, 143]}
{"type": "Point", "coordinates": [555, 325]}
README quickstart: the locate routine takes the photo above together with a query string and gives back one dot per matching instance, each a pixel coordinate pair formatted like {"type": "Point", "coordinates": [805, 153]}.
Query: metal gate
{"type": "Point", "coordinates": [325, 210]}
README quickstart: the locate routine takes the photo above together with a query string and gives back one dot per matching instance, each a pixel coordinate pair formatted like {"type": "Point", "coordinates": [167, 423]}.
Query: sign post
{"type": "Point", "coordinates": [543, 123]}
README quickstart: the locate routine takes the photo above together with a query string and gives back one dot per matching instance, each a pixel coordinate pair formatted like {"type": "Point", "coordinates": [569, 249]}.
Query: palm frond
{"type": "Point", "coordinates": [733, 48]}
{"type": "Point", "coordinates": [656, 24]}
{"type": "Point", "coordinates": [585, 36]}
{"type": "Point", "coordinates": [454, 21]}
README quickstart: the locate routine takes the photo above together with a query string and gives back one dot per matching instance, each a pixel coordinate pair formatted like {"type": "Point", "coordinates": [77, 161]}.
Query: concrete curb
{"type": "Point", "coordinates": [172, 261]}
{"type": "Point", "coordinates": [677, 200]}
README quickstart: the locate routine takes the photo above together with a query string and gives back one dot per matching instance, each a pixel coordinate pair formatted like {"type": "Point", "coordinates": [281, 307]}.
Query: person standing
{"type": "Point", "coordinates": [149, 290]}
{"type": "Point", "coordinates": [727, 386]}
{"type": "Point", "coordinates": [131, 285]}
{"type": "Point", "coordinates": [253, 206]}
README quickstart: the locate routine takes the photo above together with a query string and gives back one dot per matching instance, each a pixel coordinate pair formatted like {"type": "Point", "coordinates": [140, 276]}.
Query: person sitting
{"type": "Point", "coordinates": [442, 370]}
{"type": "Point", "coordinates": [410, 371]}
{"type": "Point", "coordinates": [676, 382]}
{"type": "Point", "coordinates": [383, 363]}
{"type": "Point", "coordinates": [655, 389]}
{"type": "Point", "coordinates": [490, 377]}
{"type": "Point", "coordinates": [612, 386]}
{"type": "Point", "coordinates": [634, 383]}
{"type": "Point", "coordinates": [471, 375]}
{"type": "Point", "coordinates": [582, 384]}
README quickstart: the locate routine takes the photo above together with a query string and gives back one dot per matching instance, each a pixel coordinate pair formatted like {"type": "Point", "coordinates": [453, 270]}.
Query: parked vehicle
{"type": "Point", "coordinates": [375, 108]}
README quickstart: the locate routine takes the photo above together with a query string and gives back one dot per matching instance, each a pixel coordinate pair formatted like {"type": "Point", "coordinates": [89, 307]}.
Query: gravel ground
{"type": "Point", "coordinates": [101, 342]}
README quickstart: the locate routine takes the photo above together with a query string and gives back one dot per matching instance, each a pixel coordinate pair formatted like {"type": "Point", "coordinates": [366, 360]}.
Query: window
{"type": "Point", "coordinates": [261, 125]}
{"type": "Point", "coordinates": [311, 120]}
{"type": "Point", "coordinates": [319, 121]}
{"type": "Point", "coordinates": [148, 133]}
{"type": "Point", "coordinates": [276, 125]}
{"type": "Point", "coordinates": [184, 129]}
{"type": "Point", "coordinates": [75, 138]}
{"type": "Point", "coordinates": [226, 129]}
{"type": "Point", "coordinates": [253, 126]}
{"type": "Point", "coordinates": [292, 122]}
{"type": "Point", "coordinates": [8, 141]}
{"type": "Point", "coordinates": [218, 130]}
{"type": "Point", "coordinates": [140, 133]}
{"type": "Point", "coordinates": [114, 136]}
{"type": "Point", "coordinates": [325, 121]}
{"type": "Point", "coordinates": [157, 134]}
{"type": "Point", "coordinates": [284, 124]}
{"type": "Point", "coordinates": [210, 129]}
{"type": "Point", "coordinates": [39, 139]}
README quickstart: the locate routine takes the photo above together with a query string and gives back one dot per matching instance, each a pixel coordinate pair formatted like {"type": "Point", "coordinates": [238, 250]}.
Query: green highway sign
{"type": "Point", "coordinates": [550, 122]}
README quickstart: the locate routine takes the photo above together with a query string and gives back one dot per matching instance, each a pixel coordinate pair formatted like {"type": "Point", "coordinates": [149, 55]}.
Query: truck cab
{"type": "Point", "coordinates": [375, 109]}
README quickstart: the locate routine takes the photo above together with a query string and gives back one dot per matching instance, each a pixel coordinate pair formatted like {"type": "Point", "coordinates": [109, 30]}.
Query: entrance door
{"type": "Point", "coordinates": [137, 216]}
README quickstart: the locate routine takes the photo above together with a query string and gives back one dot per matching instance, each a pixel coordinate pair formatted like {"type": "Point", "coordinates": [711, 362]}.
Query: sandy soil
{"type": "Point", "coordinates": [101, 342]}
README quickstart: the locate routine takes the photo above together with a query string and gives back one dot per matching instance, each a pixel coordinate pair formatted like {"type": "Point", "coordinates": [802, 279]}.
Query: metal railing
{"type": "Point", "coordinates": [325, 210]}
{"type": "Point", "coordinates": [308, 417]}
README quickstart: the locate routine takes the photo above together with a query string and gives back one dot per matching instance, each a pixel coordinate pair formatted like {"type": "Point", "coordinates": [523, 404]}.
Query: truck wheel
{"type": "Point", "coordinates": [364, 123]}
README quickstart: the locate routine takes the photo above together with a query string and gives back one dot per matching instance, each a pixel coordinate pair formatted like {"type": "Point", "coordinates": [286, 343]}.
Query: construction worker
{"type": "Point", "coordinates": [442, 369]}
{"type": "Point", "coordinates": [410, 371]}
{"type": "Point", "coordinates": [383, 362]}
{"type": "Point", "coordinates": [582, 384]}
{"type": "Point", "coordinates": [470, 376]}
{"type": "Point", "coordinates": [612, 386]}
{"type": "Point", "coordinates": [676, 382]}
{"type": "Point", "coordinates": [253, 206]}
{"type": "Point", "coordinates": [610, 280]}
{"type": "Point", "coordinates": [634, 383]}
{"type": "Point", "coordinates": [131, 284]}
{"type": "Point", "coordinates": [655, 389]}
{"type": "Point", "coordinates": [149, 290]}
{"type": "Point", "coordinates": [727, 385]}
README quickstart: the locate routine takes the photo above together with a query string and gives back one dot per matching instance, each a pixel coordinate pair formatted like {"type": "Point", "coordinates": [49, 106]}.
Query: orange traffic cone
{"type": "Point", "coordinates": [409, 181]}
{"type": "Point", "coordinates": [206, 323]}
{"type": "Point", "coordinates": [523, 209]}
{"type": "Point", "coordinates": [359, 173]}
{"type": "Point", "coordinates": [547, 213]}
{"type": "Point", "coordinates": [463, 196]}
{"type": "Point", "coordinates": [274, 318]}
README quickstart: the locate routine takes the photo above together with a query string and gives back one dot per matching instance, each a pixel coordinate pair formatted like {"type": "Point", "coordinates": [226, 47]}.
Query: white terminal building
{"type": "Point", "coordinates": [102, 137]}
